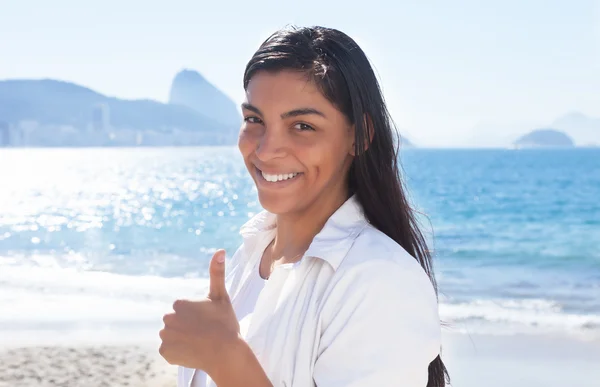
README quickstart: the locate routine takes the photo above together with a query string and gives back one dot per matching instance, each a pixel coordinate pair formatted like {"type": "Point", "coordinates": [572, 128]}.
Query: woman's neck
{"type": "Point", "coordinates": [296, 231]}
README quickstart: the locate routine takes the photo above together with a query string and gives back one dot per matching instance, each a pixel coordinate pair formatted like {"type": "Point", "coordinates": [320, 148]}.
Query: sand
{"type": "Point", "coordinates": [522, 360]}
{"type": "Point", "coordinates": [473, 360]}
{"type": "Point", "coordinates": [91, 366]}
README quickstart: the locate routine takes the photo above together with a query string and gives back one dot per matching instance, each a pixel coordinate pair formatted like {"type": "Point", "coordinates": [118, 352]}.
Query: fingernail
{"type": "Point", "coordinates": [221, 257]}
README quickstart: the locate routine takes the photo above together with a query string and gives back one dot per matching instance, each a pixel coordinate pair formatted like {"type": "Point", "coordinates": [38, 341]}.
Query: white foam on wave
{"type": "Point", "coordinates": [39, 296]}
{"type": "Point", "coordinates": [501, 316]}
{"type": "Point", "coordinates": [53, 297]}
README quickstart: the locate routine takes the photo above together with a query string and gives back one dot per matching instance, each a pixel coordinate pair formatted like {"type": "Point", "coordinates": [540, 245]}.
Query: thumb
{"type": "Point", "coordinates": [217, 277]}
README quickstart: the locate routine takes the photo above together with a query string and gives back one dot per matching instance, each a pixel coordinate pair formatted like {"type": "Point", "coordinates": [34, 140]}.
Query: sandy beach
{"type": "Point", "coordinates": [473, 360]}
{"type": "Point", "coordinates": [93, 366]}
{"type": "Point", "coordinates": [70, 358]}
{"type": "Point", "coordinates": [522, 360]}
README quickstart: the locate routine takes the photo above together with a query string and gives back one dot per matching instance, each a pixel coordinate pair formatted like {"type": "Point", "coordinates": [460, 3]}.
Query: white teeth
{"type": "Point", "coordinates": [276, 178]}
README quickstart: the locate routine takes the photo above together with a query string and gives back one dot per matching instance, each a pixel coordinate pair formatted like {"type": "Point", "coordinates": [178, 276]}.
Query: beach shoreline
{"type": "Point", "coordinates": [95, 361]}
{"type": "Point", "coordinates": [522, 360]}
{"type": "Point", "coordinates": [473, 360]}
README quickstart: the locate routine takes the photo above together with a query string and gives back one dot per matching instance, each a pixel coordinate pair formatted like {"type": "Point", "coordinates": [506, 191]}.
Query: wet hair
{"type": "Point", "coordinates": [342, 72]}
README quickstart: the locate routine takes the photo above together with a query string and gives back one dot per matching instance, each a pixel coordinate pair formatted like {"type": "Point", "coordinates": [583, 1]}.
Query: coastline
{"type": "Point", "coordinates": [50, 359]}
{"type": "Point", "coordinates": [522, 360]}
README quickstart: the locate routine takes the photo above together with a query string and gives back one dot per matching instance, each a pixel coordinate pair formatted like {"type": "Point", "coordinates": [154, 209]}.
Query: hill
{"type": "Point", "coordinates": [191, 89]}
{"type": "Point", "coordinates": [51, 102]}
{"type": "Point", "coordinates": [406, 143]}
{"type": "Point", "coordinates": [544, 138]}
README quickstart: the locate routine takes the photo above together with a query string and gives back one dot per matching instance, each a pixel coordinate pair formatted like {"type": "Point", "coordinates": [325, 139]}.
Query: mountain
{"type": "Point", "coordinates": [544, 138]}
{"type": "Point", "coordinates": [52, 102]}
{"type": "Point", "coordinates": [191, 89]}
{"type": "Point", "coordinates": [406, 143]}
{"type": "Point", "coordinates": [584, 130]}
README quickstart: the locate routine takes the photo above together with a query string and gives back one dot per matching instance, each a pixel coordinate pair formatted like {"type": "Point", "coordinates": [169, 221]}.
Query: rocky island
{"type": "Point", "coordinates": [544, 138]}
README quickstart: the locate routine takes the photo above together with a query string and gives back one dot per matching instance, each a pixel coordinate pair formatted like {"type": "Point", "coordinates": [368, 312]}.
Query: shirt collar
{"type": "Point", "coordinates": [334, 240]}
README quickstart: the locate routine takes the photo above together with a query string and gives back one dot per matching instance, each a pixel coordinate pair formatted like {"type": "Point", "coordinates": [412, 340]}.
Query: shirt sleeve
{"type": "Point", "coordinates": [380, 328]}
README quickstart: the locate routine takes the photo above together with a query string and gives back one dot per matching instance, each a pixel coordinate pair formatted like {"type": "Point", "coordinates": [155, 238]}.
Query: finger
{"type": "Point", "coordinates": [171, 342]}
{"type": "Point", "coordinates": [179, 306]}
{"type": "Point", "coordinates": [172, 321]}
{"type": "Point", "coordinates": [171, 336]}
{"type": "Point", "coordinates": [218, 291]}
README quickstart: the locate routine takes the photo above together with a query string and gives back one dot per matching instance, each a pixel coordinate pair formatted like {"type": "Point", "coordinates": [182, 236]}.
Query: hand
{"type": "Point", "coordinates": [199, 333]}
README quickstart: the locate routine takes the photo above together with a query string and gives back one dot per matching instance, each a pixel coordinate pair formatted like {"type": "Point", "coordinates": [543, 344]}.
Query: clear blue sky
{"type": "Point", "coordinates": [445, 66]}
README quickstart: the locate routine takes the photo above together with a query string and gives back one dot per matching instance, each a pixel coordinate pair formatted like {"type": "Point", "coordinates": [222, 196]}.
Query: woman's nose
{"type": "Point", "coordinates": [272, 144]}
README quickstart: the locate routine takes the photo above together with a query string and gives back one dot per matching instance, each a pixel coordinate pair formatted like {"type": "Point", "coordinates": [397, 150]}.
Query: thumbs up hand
{"type": "Point", "coordinates": [199, 333]}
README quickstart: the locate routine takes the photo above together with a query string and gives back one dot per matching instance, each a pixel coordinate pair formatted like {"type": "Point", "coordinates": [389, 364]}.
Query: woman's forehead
{"type": "Point", "coordinates": [283, 90]}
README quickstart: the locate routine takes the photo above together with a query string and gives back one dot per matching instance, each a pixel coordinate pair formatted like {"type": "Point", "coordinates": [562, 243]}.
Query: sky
{"type": "Point", "coordinates": [451, 71]}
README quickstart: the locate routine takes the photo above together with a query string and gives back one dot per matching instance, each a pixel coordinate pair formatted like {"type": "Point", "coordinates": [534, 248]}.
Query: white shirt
{"type": "Point", "coordinates": [356, 310]}
{"type": "Point", "coordinates": [248, 298]}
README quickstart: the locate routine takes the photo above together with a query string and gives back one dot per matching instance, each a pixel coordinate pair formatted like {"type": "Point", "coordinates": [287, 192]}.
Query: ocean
{"type": "Point", "coordinates": [103, 238]}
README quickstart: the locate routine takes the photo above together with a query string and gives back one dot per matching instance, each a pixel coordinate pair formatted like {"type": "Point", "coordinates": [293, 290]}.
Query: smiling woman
{"type": "Point", "coordinates": [333, 284]}
{"type": "Point", "coordinates": [290, 128]}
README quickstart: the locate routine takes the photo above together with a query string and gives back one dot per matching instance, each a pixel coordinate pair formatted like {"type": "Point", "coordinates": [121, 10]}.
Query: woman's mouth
{"type": "Point", "coordinates": [278, 177]}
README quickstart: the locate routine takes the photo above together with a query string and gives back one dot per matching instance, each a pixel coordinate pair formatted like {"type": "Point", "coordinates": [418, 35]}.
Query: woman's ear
{"type": "Point", "coordinates": [369, 128]}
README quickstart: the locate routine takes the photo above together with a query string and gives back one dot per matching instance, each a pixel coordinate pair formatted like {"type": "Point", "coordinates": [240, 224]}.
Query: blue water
{"type": "Point", "coordinates": [89, 235]}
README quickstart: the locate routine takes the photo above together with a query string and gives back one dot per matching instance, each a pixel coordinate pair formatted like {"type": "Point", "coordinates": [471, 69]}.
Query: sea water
{"type": "Point", "coordinates": [106, 238]}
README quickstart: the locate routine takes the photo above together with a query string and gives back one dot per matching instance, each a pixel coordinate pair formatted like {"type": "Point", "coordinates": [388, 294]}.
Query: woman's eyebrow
{"type": "Point", "coordinates": [302, 112]}
{"type": "Point", "coordinates": [291, 113]}
{"type": "Point", "coordinates": [252, 108]}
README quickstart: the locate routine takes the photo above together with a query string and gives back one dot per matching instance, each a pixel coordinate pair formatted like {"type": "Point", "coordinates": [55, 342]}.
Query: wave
{"type": "Point", "coordinates": [69, 298]}
{"type": "Point", "coordinates": [509, 316]}
{"type": "Point", "coordinates": [42, 297]}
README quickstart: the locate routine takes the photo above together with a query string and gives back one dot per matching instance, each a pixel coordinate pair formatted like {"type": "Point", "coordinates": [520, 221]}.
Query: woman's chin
{"type": "Point", "coordinates": [276, 203]}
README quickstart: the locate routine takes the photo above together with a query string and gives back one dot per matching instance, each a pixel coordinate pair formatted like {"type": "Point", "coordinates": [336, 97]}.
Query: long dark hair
{"type": "Point", "coordinates": [344, 75]}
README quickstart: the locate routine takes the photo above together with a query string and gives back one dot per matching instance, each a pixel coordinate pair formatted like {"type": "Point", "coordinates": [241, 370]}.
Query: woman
{"type": "Point", "coordinates": [333, 284]}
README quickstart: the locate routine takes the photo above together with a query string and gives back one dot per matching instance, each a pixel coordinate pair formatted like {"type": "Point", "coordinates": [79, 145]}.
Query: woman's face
{"type": "Point", "coordinates": [296, 145]}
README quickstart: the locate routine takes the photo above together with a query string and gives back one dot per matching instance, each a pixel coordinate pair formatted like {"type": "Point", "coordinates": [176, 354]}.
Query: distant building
{"type": "Point", "coordinates": [101, 118]}
{"type": "Point", "coordinates": [4, 134]}
{"type": "Point", "coordinates": [28, 129]}
{"type": "Point", "coordinates": [139, 138]}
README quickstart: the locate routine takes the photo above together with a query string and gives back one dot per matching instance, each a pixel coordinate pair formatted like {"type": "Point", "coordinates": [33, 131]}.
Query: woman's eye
{"type": "Point", "coordinates": [252, 120]}
{"type": "Point", "coordinates": [301, 126]}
